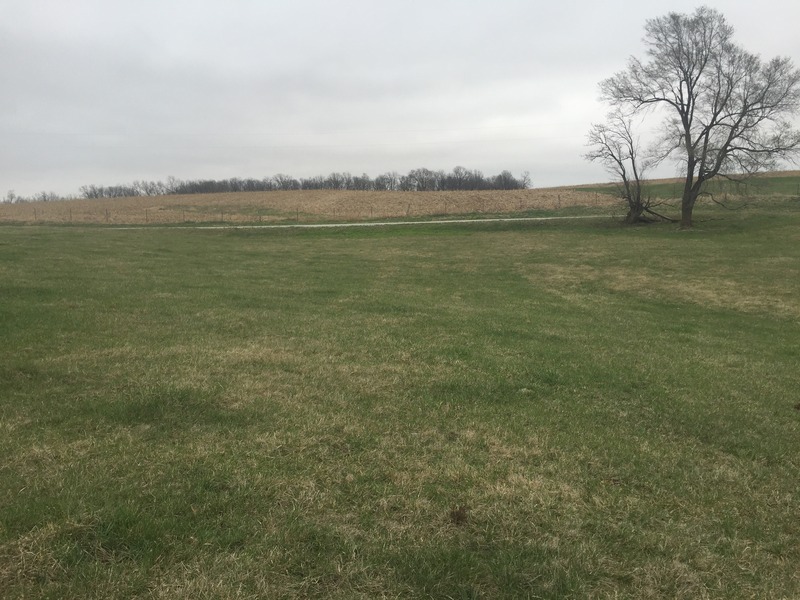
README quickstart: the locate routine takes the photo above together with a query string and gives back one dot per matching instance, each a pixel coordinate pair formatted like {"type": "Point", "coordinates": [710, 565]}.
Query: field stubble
{"type": "Point", "coordinates": [305, 206]}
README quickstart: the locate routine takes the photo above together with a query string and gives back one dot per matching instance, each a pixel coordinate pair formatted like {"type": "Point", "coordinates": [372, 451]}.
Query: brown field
{"type": "Point", "coordinates": [302, 206]}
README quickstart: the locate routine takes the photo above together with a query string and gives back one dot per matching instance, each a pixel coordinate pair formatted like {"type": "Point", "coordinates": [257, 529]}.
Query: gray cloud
{"type": "Point", "coordinates": [108, 92]}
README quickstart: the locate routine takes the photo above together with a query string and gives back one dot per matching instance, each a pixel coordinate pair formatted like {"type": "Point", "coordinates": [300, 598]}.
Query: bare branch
{"type": "Point", "coordinates": [614, 146]}
{"type": "Point", "coordinates": [725, 110]}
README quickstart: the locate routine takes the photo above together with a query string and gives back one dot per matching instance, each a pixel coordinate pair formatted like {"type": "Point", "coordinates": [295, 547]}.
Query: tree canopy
{"type": "Point", "coordinates": [725, 111]}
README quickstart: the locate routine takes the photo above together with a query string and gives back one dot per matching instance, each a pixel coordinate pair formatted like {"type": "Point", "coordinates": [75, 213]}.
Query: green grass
{"type": "Point", "coordinates": [785, 185]}
{"type": "Point", "coordinates": [549, 410]}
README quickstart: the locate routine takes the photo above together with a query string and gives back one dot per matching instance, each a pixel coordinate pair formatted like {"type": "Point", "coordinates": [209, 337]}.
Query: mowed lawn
{"type": "Point", "coordinates": [540, 410]}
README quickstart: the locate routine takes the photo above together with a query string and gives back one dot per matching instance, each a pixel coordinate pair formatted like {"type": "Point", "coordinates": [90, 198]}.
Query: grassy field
{"type": "Point", "coordinates": [781, 183]}
{"type": "Point", "coordinates": [552, 410]}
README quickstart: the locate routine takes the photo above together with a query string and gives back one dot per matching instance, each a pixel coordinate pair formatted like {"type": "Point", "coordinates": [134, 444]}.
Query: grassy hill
{"type": "Point", "coordinates": [783, 183]}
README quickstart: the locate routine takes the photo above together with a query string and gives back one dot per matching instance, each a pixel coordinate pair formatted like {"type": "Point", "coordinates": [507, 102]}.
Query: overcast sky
{"type": "Point", "coordinates": [111, 91]}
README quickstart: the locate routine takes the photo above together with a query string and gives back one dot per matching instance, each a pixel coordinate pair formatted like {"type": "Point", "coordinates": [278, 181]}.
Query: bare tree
{"type": "Point", "coordinates": [172, 186]}
{"type": "Point", "coordinates": [363, 183]}
{"type": "Point", "coordinates": [347, 180]}
{"type": "Point", "coordinates": [313, 183]}
{"type": "Point", "coordinates": [335, 181]}
{"type": "Point", "coordinates": [281, 181]}
{"type": "Point", "coordinates": [507, 181]}
{"type": "Point", "coordinates": [727, 112]}
{"type": "Point", "coordinates": [458, 178]}
{"type": "Point", "coordinates": [614, 145]}
{"type": "Point", "coordinates": [387, 181]}
{"type": "Point", "coordinates": [46, 197]}
{"type": "Point", "coordinates": [477, 181]}
{"type": "Point", "coordinates": [425, 180]}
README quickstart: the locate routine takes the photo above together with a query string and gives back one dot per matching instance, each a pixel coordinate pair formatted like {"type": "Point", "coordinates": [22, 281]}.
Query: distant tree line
{"type": "Point", "coordinates": [12, 198]}
{"type": "Point", "coordinates": [416, 180]}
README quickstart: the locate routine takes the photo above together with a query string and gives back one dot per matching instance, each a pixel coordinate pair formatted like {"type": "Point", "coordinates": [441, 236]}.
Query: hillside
{"type": "Point", "coordinates": [780, 183]}
{"type": "Point", "coordinates": [304, 206]}
{"type": "Point", "coordinates": [346, 205]}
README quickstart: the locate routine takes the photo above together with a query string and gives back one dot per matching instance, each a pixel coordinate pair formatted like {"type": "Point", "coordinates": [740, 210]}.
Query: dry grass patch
{"type": "Point", "coordinates": [305, 206]}
{"type": "Point", "coordinates": [713, 291]}
{"type": "Point", "coordinates": [32, 558]}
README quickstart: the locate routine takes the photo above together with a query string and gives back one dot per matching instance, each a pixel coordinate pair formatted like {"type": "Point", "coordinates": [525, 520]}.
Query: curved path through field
{"type": "Point", "coordinates": [362, 223]}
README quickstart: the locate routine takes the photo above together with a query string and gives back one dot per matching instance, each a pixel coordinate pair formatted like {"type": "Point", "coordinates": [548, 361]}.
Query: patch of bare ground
{"type": "Point", "coordinates": [306, 205]}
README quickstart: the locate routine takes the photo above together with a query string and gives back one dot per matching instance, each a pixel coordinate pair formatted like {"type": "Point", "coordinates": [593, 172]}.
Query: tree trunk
{"type": "Point", "coordinates": [634, 215]}
{"type": "Point", "coordinates": [633, 195]}
{"type": "Point", "coordinates": [687, 206]}
{"type": "Point", "coordinates": [686, 215]}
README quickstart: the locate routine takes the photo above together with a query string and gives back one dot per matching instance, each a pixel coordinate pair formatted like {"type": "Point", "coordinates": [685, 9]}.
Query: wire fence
{"type": "Point", "coordinates": [295, 207]}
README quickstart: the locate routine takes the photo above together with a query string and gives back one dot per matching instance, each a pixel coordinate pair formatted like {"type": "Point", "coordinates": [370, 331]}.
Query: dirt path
{"type": "Point", "coordinates": [358, 224]}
